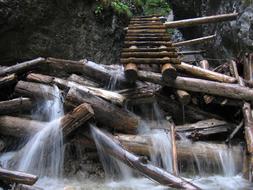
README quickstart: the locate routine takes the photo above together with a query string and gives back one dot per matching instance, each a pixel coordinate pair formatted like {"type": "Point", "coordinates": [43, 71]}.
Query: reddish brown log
{"type": "Point", "coordinates": [168, 72]}
{"type": "Point", "coordinates": [150, 60]}
{"type": "Point", "coordinates": [149, 54]}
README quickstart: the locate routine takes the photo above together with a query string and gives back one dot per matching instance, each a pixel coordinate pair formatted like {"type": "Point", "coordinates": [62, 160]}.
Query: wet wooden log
{"type": "Point", "coordinates": [90, 69]}
{"type": "Point", "coordinates": [131, 69]}
{"type": "Point", "coordinates": [105, 112]}
{"type": "Point", "coordinates": [153, 31]}
{"type": "Point", "coordinates": [105, 94]}
{"type": "Point", "coordinates": [150, 60]}
{"type": "Point", "coordinates": [149, 54]}
{"type": "Point", "coordinates": [35, 90]}
{"type": "Point", "coordinates": [147, 38]}
{"type": "Point", "coordinates": [7, 80]}
{"type": "Point", "coordinates": [174, 149]}
{"type": "Point", "coordinates": [83, 81]}
{"type": "Point", "coordinates": [168, 72]}
{"type": "Point", "coordinates": [183, 97]}
{"type": "Point", "coordinates": [147, 27]}
{"type": "Point", "coordinates": [191, 52]}
{"type": "Point", "coordinates": [146, 34]}
{"type": "Point", "coordinates": [194, 41]}
{"type": "Point", "coordinates": [17, 177]}
{"type": "Point", "coordinates": [199, 85]}
{"type": "Point", "coordinates": [146, 43]}
{"type": "Point", "coordinates": [201, 20]}
{"type": "Point", "coordinates": [19, 127]}
{"type": "Point", "coordinates": [22, 67]}
{"type": "Point", "coordinates": [146, 19]}
{"type": "Point", "coordinates": [16, 105]}
{"type": "Point", "coordinates": [113, 148]}
{"type": "Point", "coordinates": [26, 187]}
{"type": "Point", "coordinates": [203, 73]}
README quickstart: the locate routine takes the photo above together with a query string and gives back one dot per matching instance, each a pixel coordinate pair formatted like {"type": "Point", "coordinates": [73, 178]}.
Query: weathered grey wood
{"type": "Point", "coordinates": [199, 85]}
{"type": "Point", "coordinates": [26, 187]}
{"type": "Point", "coordinates": [113, 148]}
{"type": "Point", "coordinates": [16, 105]}
{"type": "Point", "coordinates": [7, 80]}
{"type": "Point", "coordinates": [17, 177]}
{"type": "Point", "coordinates": [21, 67]}
{"type": "Point", "coordinates": [201, 20]}
{"type": "Point", "coordinates": [194, 41]}
{"type": "Point", "coordinates": [82, 80]}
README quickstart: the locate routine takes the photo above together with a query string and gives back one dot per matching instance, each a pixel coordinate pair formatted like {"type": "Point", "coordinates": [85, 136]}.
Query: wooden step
{"type": "Point", "coordinates": [150, 60]}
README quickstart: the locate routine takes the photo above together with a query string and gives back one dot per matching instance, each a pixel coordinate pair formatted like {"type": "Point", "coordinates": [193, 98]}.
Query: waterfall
{"type": "Point", "coordinates": [42, 155]}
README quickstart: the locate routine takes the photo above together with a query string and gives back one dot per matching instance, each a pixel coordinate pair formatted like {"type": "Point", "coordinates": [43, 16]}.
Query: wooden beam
{"type": "Point", "coordinates": [201, 20]}
{"type": "Point", "coordinates": [149, 54]}
{"type": "Point", "coordinates": [150, 60]}
{"type": "Point", "coordinates": [194, 41]}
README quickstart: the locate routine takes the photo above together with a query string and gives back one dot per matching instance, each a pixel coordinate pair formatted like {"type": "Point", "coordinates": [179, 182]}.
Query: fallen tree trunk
{"type": "Point", "coordinates": [7, 80]}
{"type": "Point", "coordinates": [17, 177]}
{"type": "Point", "coordinates": [193, 41]}
{"type": "Point", "coordinates": [15, 105]}
{"type": "Point", "coordinates": [26, 187]}
{"type": "Point", "coordinates": [150, 60]}
{"type": "Point", "coordinates": [83, 81]}
{"type": "Point", "coordinates": [114, 149]}
{"type": "Point", "coordinates": [20, 127]}
{"type": "Point", "coordinates": [21, 67]}
{"type": "Point", "coordinates": [105, 113]}
{"type": "Point", "coordinates": [203, 73]}
{"type": "Point", "coordinates": [201, 20]}
{"type": "Point", "coordinates": [198, 85]}
{"type": "Point", "coordinates": [107, 95]}
{"type": "Point", "coordinates": [90, 69]}
{"type": "Point", "coordinates": [35, 90]}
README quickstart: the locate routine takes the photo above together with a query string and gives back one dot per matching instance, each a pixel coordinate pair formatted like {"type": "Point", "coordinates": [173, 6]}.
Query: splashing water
{"type": "Point", "coordinates": [43, 153]}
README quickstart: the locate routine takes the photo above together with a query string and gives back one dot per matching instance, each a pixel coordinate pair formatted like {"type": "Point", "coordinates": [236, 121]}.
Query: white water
{"type": "Point", "coordinates": [42, 155]}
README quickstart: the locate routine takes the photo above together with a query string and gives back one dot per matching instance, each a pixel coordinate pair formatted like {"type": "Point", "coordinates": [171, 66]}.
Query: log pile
{"type": "Point", "coordinates": [190, 95]}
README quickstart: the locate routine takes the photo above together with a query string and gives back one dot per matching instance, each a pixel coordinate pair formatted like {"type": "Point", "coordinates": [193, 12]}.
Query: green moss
{"type": "Point", "coordinates": [160, 7]}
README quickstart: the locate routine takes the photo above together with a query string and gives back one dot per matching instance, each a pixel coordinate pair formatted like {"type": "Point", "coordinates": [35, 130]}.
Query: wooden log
{"type": "Point", "coordinates": [146, 43]}
{"type": "Point", "coordinates": [131, 70]}
{"type": "Point", "coordinates": [203, 73]}
{"type": "Point", "coordinates": [183, 97]}
{"type": "Point", "coordinates": [90, 69]}
{"type": "Point", "coordinates": [146, 27]}
{"type": "Point", "coordinates": [149, 54]}
{"type": "Point", "coordinates": [7, 80]}
{"type": "Point", "coordinates": [35, 90]}
{"type": "Point", "coordinates": [153, 31]}
{"type": "Point", "coordinates": [17, 177]}
{"type": "Point", "coordinates": [147, 38]}
{"type": "Point", "coordinates": [147, 35]}
{"type": "Point", "coordinates": [76, 118]}
{"type": "Point", "coordinates": [168, 72]}
{"type": "Point", "coordinates": [108, 95]}
{"type": "Point", "coordinates": [19, 127]}
{"type": "Point", "coordinates": [83, 81]}
{"type": "Point", "coordinates": [199, 85]}
{"type": "Point", "coordinates": [22, 67]}
{"type": "Point", "coordinates": [194, 41]}
{"type": "Point", "coordinates": [16, 105]}
{"type": "Point", "coordinates": [113, 148]}
{"type": "Point", "coordinates": [174, 149]}
{"type": "Point", "coordinates": [150, 60]}
{"type": "Point", "coordinates": [105, 113]}
{"type": "Point", "coordinates": [201, 20]}
{"type": "Point", "coordinates": [204, 64]}
{"type": "Point", "coordinates": [191, 52]}
{"type": "Point", "coordinates": [26, 187]}
{"type": "Point", "coordinates": [169, 49]}
{"type": "Point", "coordinates": [146, 19]}
{"type": "Point", "coordinates": [247, 67]}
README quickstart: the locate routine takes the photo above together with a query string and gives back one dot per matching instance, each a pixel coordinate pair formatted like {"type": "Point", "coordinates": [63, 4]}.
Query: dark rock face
{"type": "Point", "coordinates": [233, 38]}
{"type": "Point", "coordinates": [60, 28]}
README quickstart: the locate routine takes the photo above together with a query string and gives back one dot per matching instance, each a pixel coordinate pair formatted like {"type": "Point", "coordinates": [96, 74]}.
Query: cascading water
{"type": "Point", "coordinates": [42, 155]}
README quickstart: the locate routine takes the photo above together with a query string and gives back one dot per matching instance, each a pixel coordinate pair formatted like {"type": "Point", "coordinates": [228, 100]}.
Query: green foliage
{"type": "Point", "coordinates": [156, 7]}
{"type": "Point", "coordinates": [99, 9]}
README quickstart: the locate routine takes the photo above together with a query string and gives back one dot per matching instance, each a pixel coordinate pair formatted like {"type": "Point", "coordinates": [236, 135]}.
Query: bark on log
{"type": "Point", "coordinates": [76, 118]}
{"type": "Point", "coordinates": [183, 97]}
{"type": "Point", "coordinates": [90, 69]}
{"type": "Point", "coordinates": [130, 71]}
{"type": "Point", "coordinates": [113, 148]}
{"type": "Point", "coordinates": [153, 31]}
{"type": "Point", "coordinates": [107, 95]}
{"type": "Point", "coordinates": [201, 20]}
{"type": "Point", "coordinates": [83, 81]}
{"type": "Point", "coordinates": [105, 113]}
{"type": "Point", "coordinates": [7, 80]}
{"type": "Point", "coordinates": [150, 60]}
{"type": "Point", "coordinates": [21, 67]}
{"type": "Point", "coordinates": [17, 177]}
{"type": "Point", "coordinates": [146, 43]}
{"type": "Point", "coordinates": [15, 105]}
{"type": "Point", "coordinates": [191, 52]}
{"type": "Point", "coordinates": [149, 54]}
{"type": "Point", "coordinates": [174, 149]}
{"type": "Point", "coordinates": [169, 49]}
{"type": "Point", "coordinates": [203, 73]}
{"type": "Point", "coordinates": [26, 187]}
{"type": "Point", "coordinates": [20, 127]}
{"type": "Point", "coordinates": [35, 90]}
{"type": "Point", "coordinates": [198, 85]}
{"type": "Point", "coordinates": [150, 38]}
{"type": "Point", "coordinates": [168, 72]}
{"type": "Point", "coordinates": [147, 27]}
{"type": "Point", "coordinates": [194, 41]}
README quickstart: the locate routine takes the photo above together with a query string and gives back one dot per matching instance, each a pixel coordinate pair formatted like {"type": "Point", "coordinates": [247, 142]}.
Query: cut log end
{"type": "Point", "coordinates": [183, 97]}
{"type": "Point", "coordinates": [168, 72]}
{"type": "Point", "coordinates": [131, 72]}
